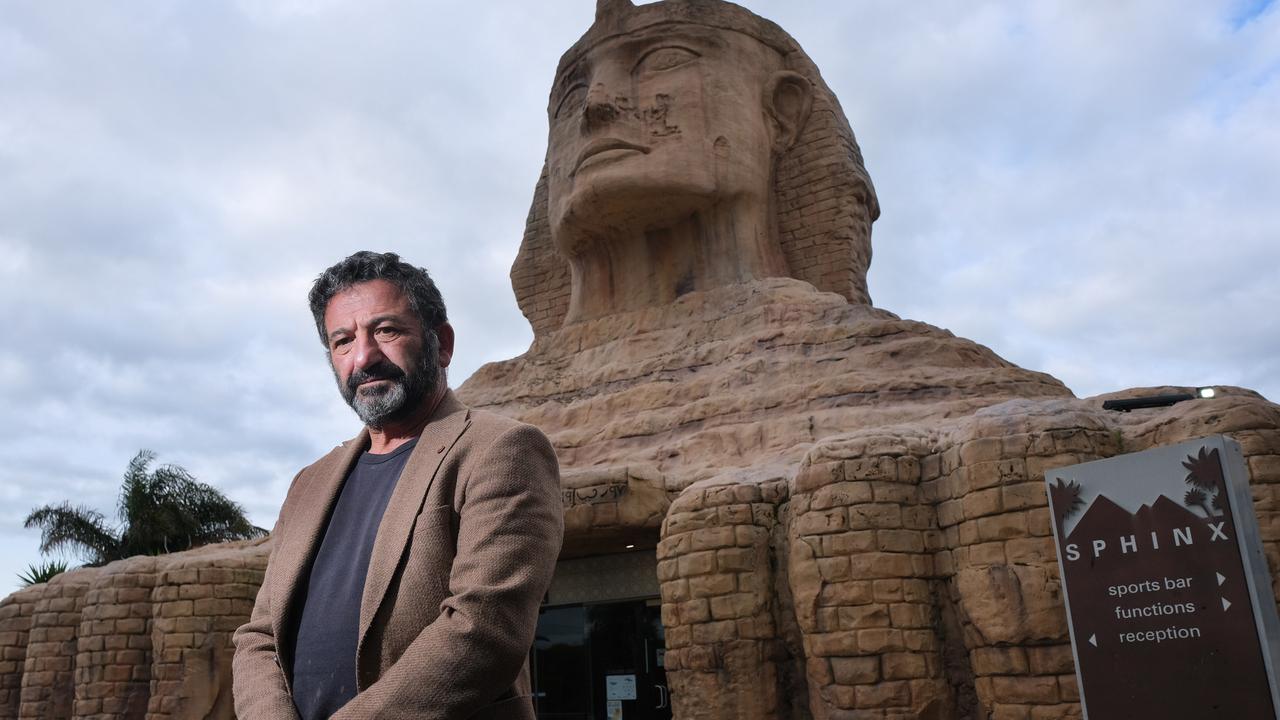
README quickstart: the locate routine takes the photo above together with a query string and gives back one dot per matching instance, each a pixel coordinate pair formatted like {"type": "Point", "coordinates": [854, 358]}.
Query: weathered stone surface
{"type": "Point", "coordinates": [146, 637]}
{"type": "Point", "coordinates": [907, 568]}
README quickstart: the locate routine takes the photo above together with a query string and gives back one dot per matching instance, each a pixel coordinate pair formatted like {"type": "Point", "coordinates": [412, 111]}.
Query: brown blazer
{"type": "Point", "coordinates": [462, 559]}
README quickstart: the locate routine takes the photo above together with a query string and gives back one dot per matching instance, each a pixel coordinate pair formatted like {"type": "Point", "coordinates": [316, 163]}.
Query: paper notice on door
{"type": "Point", "coordinates": [613, 710]}
{"type": "Point", "coordinates": [620, 687]}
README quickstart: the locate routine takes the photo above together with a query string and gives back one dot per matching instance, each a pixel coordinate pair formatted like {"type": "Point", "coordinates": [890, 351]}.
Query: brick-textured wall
{"type": "Point", "coordinates": [198, 604]}
{"type": "Point", "coordinates": [16, 612]}
{"type": "Point", "coordinates": [999, 561]}
{"type": "Point", "coordinates": [48, 673]}
{"type": "Point", "coordinates": [146, 637]}
{"type": "Point", "coordinates": [724, 653]}
{"type": "Point", "coordinates": [919, 565]}
{"type": "Point", "coordinates": [861, 562]}
{"type": "Point", "coordinates": [113, 644]}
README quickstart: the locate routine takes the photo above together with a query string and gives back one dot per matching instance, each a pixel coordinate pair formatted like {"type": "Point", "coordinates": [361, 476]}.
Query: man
{"type": "Point", "coordinates": [408, 564]}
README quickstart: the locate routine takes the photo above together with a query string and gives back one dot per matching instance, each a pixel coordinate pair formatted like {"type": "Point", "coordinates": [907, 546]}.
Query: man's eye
{"type": "Point", "coordinates": [665, 58]}
{"type": "Point", "coordinates": [340, 345]}
{"type": "Point", "coordinates": [571, 99]}
{"type": "Point", "coordinates": [387, 332]}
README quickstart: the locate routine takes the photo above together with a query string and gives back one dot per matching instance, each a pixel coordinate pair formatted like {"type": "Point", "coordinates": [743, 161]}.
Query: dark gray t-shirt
{"type": "Point", "coordinates": [324, 657]}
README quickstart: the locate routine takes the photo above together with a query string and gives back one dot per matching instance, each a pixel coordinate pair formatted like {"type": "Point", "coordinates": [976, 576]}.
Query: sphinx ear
{"type": "Point", "coordinates": [788, 98]}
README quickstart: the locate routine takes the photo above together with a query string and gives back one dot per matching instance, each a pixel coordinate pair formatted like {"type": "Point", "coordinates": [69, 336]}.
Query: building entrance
{"type": "Point", "coordinates": [600, 661]}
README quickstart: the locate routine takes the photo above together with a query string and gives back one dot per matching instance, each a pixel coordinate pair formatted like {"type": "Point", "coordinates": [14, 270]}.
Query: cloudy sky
{"type": "Point", "coordinates": [1090, 189]}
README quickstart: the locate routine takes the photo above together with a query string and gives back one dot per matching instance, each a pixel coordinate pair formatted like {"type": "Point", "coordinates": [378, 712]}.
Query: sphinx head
{"type": "Point", "coordinates": [656, 115]}
{"type": "Point", "coordinates": [691, 111]}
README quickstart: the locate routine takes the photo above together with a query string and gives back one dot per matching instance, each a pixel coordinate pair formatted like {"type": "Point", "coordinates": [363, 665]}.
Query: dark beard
{"type": "Point", "coordinates": [405, 390]}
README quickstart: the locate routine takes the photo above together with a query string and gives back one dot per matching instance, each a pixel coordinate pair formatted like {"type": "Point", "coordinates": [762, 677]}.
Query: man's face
{"type": "Point", "coordinates": [384, 363]}
{"type": "Point", "coordinates": [655, 125]}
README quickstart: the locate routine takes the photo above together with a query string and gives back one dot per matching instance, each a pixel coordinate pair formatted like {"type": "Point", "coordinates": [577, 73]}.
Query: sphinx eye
{"type": "Point", "coordinates": [665, 58]}
{"type": "Point", "coordinates": [571, 99]}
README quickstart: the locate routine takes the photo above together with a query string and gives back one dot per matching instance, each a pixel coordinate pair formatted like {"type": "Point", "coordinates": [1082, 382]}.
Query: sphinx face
{"type": "Point", "coordinates": [649, 128]}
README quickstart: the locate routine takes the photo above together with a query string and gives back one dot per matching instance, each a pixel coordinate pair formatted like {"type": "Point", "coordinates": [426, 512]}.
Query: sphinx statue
{"type": "Point", "coordinates": [846, 509]}
{"type": "Point", "coordinates": [691, 146]}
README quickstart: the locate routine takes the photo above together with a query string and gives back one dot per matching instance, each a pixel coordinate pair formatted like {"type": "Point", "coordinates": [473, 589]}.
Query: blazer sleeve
{"type": "Point", "coordinates": [510, 528]}
{"type": "Point", "coordinates": [258, 682]}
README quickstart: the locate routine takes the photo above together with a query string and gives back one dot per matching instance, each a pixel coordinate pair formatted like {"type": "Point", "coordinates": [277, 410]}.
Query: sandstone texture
{"type": "Point", "coordinates": [858, 525]}
{"type": "Point", "coordinates": [146, 637]}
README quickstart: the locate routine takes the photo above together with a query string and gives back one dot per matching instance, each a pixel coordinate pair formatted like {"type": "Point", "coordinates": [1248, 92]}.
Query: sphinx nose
{"type": "Point", "coordinates": [600, 108]}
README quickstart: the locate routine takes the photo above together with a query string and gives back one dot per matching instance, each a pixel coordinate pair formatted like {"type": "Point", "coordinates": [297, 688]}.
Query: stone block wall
{"type": "Point", "coordinates": [719, 604]}
{"type": "Point", "coordinates": [998, 559]}
{"type": "Point", "coordinates": [16, 612]}
{"type": "Point", "coordinates": [113, 644]}
{"type": "Point", "coordinates": [142, 638]}
{"type": "Point", "coordinates": [914, 564]}
{"type": "Point", "coordinates": [198, 604]}
{"type": "Point", "coordinates": [48, 672]}
{"type": "Point", "coordinates": [861, 549]}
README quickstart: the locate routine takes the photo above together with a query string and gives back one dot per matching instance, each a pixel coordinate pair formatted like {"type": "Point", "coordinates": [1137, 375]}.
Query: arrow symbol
{"type": "Point", "coordinates": [1225, 604]}
{"type": "Point", "coordinates": [1093, 640]}
{"type": "Point", "coordinates": [1220, 579]}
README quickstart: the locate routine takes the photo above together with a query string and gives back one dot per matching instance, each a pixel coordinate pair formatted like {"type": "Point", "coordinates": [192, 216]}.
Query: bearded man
{"type": "Point", "coordinates": [408, 564]}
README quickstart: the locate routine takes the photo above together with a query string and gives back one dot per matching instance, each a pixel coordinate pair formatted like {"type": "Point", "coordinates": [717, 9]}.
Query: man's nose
{"type": "Point", "coordinates": [600, 108]}
{"type": "Point", "coordinates": [367, 352]}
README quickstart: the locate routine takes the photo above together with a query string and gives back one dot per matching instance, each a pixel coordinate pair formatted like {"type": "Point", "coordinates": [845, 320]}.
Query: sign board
{"type": "Point", "coordinates": [613, 710]}
{"type": "Point", "coordinates": [620, 687]}
{"type": "Point", "coordinates": [1168, 596]}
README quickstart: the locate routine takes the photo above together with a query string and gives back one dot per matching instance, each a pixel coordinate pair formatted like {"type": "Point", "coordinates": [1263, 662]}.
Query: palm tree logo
{"type": "Point", "coordinates": [1205, 478]}
{"type": "Point", "coordinates": [1066, 500]}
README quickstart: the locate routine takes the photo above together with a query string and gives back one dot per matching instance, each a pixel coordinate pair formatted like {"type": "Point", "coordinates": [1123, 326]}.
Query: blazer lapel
{"type": "Point", "coordinates": [307, 526]}
{"type": "Point", "coordinates": [447, 424]}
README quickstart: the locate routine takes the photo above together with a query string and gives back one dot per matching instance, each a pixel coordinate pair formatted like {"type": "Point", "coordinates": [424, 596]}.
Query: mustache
{"type": "Point", "coordinates": [383, 370]}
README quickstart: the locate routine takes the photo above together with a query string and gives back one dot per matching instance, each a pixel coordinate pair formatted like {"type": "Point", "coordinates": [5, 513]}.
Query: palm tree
{"type": "Point", "coordinates": [160, 511]}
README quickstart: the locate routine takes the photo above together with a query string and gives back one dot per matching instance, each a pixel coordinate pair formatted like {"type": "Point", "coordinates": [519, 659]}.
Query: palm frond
{"type": "Point", "coordinates": [80, 529]}
{"type": "Point", "coordinates": [161, 510]}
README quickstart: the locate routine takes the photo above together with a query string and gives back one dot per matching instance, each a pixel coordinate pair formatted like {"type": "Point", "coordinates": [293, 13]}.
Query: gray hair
{"type": "Point", "coordinates": [414, 282]}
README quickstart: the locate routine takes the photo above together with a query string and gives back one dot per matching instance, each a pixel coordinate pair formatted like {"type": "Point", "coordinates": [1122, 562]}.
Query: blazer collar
{"type": "Point", "coordinates": [450, 420]}
{"type": "Point", "coordinates": [318, 490]}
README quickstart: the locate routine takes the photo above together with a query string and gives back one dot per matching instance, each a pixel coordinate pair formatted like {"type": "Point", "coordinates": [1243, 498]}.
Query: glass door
{"type": "Point", "coordinates": [600, 662]}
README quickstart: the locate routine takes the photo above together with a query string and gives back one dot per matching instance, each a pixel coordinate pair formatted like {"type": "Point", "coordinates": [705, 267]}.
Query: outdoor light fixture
{"type": "Point", "coordinates": [1151, 401]}
{"type": "Point", "coordinates": [630, 547]}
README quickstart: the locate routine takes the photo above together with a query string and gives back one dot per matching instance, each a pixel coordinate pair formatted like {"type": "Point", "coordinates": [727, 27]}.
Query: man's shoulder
{"type": "Point", "coordinates": [338, 455]}
{"type": "Point", "coordinates": [490, 426]}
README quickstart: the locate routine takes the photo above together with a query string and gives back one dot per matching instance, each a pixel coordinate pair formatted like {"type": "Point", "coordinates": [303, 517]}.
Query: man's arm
{"type": "Point", "coordinates": [258, 684]}
{"type": "Point", "coordinates": [509, 533]}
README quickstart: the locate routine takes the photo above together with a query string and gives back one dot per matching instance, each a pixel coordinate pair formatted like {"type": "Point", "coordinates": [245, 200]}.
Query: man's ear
{"type": "Point", "coordinates": [788, 98]}
{"type": "Point", "coordinates": [444, 333]}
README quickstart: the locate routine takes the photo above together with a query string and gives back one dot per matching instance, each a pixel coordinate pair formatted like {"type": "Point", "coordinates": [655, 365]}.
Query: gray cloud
{"type": "Point", "coordinates": [1087, 190]}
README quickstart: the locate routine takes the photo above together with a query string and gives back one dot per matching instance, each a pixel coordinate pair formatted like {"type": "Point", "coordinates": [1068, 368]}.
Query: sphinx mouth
{"type": "Point", "coordinates": [604, 145]}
